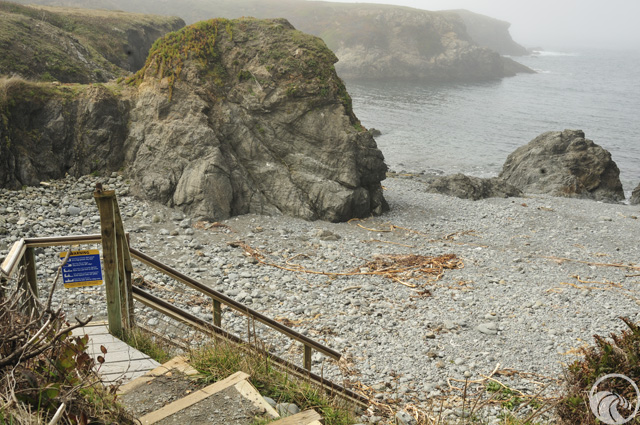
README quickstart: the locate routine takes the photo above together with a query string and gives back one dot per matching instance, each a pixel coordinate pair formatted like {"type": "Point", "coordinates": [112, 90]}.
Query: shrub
{"type": "Point", "coordinates": [619, 355]}
{"type": "Point", "coordinates": [45, 372]}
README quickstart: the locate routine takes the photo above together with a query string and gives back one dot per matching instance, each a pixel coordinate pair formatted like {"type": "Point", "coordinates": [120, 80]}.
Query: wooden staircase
{"type": "Point", "coordinates": [169, 394]}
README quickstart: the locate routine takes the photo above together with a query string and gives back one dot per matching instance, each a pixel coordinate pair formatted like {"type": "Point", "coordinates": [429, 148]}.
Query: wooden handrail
{"type": "Point", "coordinates": [233, 303]}
{"type": "Point", "coordinates": [15, 255]}
{"type": "Point", "coordinates": [19, 248]}
{"type": "Point", "coordinates": [63, 240]}
{"type": "Point", "coordinates": [185, 317]}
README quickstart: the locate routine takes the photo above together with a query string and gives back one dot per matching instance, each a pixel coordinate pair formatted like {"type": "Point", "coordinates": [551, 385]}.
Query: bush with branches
{"type": "Point", "coordinates": [46, 376]}
{"type": "Point", "coordinates": [620, 354]}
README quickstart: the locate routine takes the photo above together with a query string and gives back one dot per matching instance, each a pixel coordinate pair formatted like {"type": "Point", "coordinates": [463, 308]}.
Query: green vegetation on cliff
{"type": "Point", "coordinates": [168, 54]}
{"type": "Point", "coordinates": [19, 98]}
{"type": "Point", "coordinates": [246, 53]}
{"type": "Point", "coordinates": [75, 45]}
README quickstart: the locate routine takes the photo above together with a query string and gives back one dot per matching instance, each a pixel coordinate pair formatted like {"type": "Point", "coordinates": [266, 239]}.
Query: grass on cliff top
{"type": "Point", "coordinates": [17, 89]}
{"type": "Point", "coordinates": [37, 41]}
{"type": "Point", "coordinates": [168, 54]}
{"type": "Point", "coordinates": [301, 62]}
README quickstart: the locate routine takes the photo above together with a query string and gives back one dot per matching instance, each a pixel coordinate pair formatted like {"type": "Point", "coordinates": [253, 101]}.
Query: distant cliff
{"type": "Point", "coordinates": [397, 43]}
{"type": "Point", "coordinates": [226, 117]}
{"type": "Point", "coordinates": [371, 41]}
{"type": "Point", "coordinates": [491, 33]}
{"type": "Point", "coordinates": [76, 45]}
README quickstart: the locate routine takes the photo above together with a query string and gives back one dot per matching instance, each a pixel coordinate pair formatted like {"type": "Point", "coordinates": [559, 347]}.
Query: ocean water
{"type": "Point", "coordinates": [472, 128]}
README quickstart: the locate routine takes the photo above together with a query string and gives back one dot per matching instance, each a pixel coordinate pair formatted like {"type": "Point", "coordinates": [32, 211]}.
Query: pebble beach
{"type": "Point", "coordinates": [532, 279]}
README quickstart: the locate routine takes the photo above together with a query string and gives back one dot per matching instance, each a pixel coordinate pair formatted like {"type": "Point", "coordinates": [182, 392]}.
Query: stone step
{"type": "Point", "coordinates": [177, 364]}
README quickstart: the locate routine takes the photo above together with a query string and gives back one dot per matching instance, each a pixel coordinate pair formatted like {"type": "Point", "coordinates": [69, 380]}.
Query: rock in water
{"type": "Point", "coordinates": [564, 163]}
{"type": "Point", "coordinates": [635, 196]}
{"type": "Point", "coordinates": [474, 188]}
{"type": "Point", "coordinates": [249, 116]}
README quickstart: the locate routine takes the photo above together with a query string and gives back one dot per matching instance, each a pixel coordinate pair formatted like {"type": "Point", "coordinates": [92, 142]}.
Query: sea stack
{"type": "Point", "coordinates": [248, 116]}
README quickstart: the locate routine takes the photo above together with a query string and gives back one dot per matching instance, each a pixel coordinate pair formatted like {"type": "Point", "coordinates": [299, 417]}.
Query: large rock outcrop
{"type": "Point", "coordinates": [564, 163]}
{"type": "Point", "coordinates": [252, 118]}
{"type": "Point", "coordinates": [372, 41]}
{"type": "Point", "coordinates": [225, 118]}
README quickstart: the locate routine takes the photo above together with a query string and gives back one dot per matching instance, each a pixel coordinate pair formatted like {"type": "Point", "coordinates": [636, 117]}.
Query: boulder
{"type": "Point", "coordinates": [252, 119]}
{"type": "Point", "coordinates": [474, 188]}
{"type": "Point", "coordinates": [564, 163]}
{"type": "Point", "coordinates": [635, 196]}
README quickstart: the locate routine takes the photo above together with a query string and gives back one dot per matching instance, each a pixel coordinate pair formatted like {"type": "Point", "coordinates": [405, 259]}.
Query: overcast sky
{"type": "Point", "coordinates": [552, 23]}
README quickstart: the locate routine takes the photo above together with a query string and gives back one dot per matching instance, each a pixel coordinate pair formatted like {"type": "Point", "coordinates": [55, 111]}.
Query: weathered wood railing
{"type": "Point", "coordinates": [118, 269]}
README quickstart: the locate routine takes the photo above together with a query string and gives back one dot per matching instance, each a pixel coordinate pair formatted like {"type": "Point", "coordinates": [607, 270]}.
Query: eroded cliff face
{"type": "Point", "coordinates": [490, 32]}
{"type": "Point", "coordinates": [76, 45]}
{"type": "Point", "coordinates": [47, 131]}
{"type": "Point", "coordinates": [253, 119]}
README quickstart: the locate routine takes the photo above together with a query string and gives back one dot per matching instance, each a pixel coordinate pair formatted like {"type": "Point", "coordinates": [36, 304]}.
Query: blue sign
{"type": "Point", "coordinates": [83, 268]}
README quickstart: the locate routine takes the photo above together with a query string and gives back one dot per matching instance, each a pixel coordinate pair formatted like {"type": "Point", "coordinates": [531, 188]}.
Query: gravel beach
{"type": "Point", "coordinates": [536, 278]}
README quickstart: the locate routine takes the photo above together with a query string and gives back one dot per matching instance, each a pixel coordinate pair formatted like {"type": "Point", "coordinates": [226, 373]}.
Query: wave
{"type": "Point", "coordinates": [547, 53]}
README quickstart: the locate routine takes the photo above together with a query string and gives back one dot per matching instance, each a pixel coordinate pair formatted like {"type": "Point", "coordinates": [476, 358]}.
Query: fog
{"type": "Point", "coordinates": [552, 24]}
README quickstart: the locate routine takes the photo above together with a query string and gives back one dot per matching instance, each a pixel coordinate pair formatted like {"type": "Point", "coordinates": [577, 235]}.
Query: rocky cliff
{"type": "Point", "coordinates": [76, 45]}
{"type": "Point", "coordinates": [225, 118]}
{"type": "Point", "coordinates": [397, 43]}
{"type": "Point", "coordinates": [47, 131]}
{"type": "Point", "coordinates": [251, 118]}
{"type": "Point", "coordinates": [490, 32]}
{"type": "Point", "coordinates": [371, 41]}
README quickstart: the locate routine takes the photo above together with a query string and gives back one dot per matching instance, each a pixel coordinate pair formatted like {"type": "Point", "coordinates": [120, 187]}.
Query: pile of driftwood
{"type": "Point", "coordinates": [410, 270]}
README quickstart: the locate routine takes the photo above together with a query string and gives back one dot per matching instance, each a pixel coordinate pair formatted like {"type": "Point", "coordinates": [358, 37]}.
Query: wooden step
{"type": "Point", "coordinates": [308, 417]}
{"type": "Point", "coordinates": [158, 387]}
{"type": "Point", "coordinates": [176, 364]}
{"type": "Point", "coordinates": [237, 382]}
{"type": "Point", "coordinates": [122, 362]}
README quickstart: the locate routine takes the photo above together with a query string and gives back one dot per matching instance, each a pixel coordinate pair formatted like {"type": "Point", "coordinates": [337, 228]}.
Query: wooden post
{"type": "Point", "coordinates": [27, 280]}
{"type": "Point", "coordinates": [126, 269]}
{"type": "Point", "coordinates": [31, 276]}
{"type": "Point", "coordinates": [105, 201]}
{"type": "Point", "coordinates": [307, 357]}
{"type": "Point", "coordinates": [122, 283]}
{"type": "Point", "coordinates": [217, 313]}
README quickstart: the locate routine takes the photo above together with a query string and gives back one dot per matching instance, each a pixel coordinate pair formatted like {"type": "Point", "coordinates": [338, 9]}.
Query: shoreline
{"type": "Point", "coordinates": [541, 276]}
